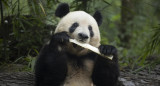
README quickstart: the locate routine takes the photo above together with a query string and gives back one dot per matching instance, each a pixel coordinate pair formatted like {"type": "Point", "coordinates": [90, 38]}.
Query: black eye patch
{"type": "Point", "coordinates": [90, 30]}
{"type": "Point", "coordinates": [73, 27]}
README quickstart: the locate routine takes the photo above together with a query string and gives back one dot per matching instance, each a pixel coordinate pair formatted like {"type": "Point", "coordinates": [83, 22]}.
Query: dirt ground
{"type": "Point", "coordinates": [142, 78]}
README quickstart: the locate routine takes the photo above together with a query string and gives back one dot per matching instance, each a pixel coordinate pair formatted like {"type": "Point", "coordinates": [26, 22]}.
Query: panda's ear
{"type": "Point", "coordinates": [98, 17]}
{"type": "Point", "coordinates": [62, 10]}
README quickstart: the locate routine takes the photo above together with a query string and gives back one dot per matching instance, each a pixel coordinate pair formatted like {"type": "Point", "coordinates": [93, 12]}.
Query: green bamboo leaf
{"type": "Point", "coordinates": [42, 9]}
{"type": "Point", "coordinates": [33, 63]}
{"type": "Point", "coordinates": [36, 51]}
{"type": "Point", "coordinates": [5, 2]}
{"type": "Point", "coordinates": [106, 2]}
{"type": "Point", "coordinates": [13, 7]}
{"type": "Point", "coordinates": [33, 6]}
{"type": "Point", "coordinates": [27, 22]}
{"type": "Point", "coordinates": [21, 25]}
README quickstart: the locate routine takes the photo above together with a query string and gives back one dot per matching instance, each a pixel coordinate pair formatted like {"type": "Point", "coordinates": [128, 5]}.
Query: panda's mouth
{"type": "Point", "coordinates": [82, 41]}
{"type": "Point", "coordinates": [77, 46]}
{"type": "Point", "coordinates": [74, 45]}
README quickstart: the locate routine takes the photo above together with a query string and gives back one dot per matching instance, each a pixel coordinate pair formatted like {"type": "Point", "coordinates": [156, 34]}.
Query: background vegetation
{"type": "Point", "coordinates": [133, 26]}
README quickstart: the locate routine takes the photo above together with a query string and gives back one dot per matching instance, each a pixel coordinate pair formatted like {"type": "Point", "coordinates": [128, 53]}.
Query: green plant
{"type": "Point", "coordinates": [152, 46]}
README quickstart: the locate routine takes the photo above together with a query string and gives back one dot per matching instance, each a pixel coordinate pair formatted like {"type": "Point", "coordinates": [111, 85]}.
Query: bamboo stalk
{"type": "Point", "coordinates": [90, 47]}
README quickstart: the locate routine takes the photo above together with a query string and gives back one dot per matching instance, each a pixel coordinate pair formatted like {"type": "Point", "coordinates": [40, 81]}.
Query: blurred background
{"type": "Point", "coordinates": [133, 26]}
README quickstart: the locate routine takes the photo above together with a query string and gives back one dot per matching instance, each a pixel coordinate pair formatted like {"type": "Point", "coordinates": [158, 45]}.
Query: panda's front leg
{"type": "Point", "coordinates": [51, 66]}
{"type": "Point", "coordinates": [106, 71]}
{"type": "Point", "coordinates": [59, 39]}
{"type": "Point", "coordinates": [108, 50]}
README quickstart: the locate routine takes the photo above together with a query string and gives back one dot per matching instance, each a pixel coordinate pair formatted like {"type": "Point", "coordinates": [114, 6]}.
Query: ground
{"type": "Point", "coordinates": [142, 78]}
{"type": "Point", "coordinates": [9, 77]}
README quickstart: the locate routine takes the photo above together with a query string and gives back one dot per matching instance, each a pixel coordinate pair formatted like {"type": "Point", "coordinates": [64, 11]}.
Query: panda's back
{"type": "Point", "coordinates": [79, 76]}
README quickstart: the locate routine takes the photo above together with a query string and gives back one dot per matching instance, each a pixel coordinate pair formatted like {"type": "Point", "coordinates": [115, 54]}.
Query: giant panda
{"type": "Point", "coordinates": [62, 63]}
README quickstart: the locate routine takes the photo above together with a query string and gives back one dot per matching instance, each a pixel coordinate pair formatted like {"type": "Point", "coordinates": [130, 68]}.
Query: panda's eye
{"type": "Point", "coordinates": [73, 27]}
{"type": "Point", "coordinates": [90, 30]}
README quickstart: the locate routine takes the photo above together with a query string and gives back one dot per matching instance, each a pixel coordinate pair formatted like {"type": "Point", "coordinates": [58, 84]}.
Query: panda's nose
{"type": "Point", "coordinates": [83, 36]}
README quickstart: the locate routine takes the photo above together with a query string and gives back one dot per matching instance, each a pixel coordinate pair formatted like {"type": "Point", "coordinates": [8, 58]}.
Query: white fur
{"type": "Point", "coordinates": [84, 19]}
{"type": "Point", "coordinates": [79, 76]}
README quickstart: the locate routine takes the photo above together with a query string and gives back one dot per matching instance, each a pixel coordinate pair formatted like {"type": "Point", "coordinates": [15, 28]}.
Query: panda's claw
{"type": "Point", "coordinates": [107, 50]}
{"type": "Point", "coordinates": [61, 37]}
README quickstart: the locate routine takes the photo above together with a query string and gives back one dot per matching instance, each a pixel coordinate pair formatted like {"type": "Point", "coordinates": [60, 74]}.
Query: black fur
{"type": "Point", "coordinates": [51, 65]}
{"type": "Point", "coordinates": [98, 17]}
{"type": "Point", "coordinates": [90, 30]}
{"type": "Point", "coordinates": [62, 10]}
{"type": "Point", "coordinates": [107, 49]}
{"type": "Point", "coordinates": [78, 60]}
{"type": "Point", "coordinates": [106, 71]}
{"type": "Point", "coordinates": [60, 38]}
{"type": "Point", "coordinates": [73, 27]}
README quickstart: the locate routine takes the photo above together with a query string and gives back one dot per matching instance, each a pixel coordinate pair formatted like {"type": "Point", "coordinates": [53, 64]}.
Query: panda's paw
{"type": "Point", "coordinates": [61, 37]}
{"type": "Point", "coordinates": [107, 50]}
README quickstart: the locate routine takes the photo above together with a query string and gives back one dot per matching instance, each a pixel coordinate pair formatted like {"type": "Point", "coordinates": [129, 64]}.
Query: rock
{"type": "Point", "coordinates": [126, 83]}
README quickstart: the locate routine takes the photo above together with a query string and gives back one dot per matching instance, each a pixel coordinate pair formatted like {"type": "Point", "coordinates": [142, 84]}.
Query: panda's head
{"type": "Point", "coordinates": [80, 25]}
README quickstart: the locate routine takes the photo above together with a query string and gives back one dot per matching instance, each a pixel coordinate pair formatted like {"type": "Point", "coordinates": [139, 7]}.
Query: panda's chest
{"type": "Point", "coordinates": [79, 75]}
